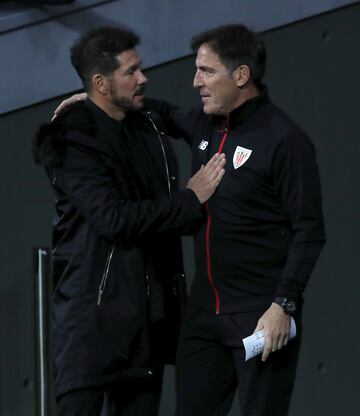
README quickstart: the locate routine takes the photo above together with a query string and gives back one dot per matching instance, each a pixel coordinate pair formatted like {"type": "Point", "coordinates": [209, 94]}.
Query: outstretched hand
{"type": "Point", "coordinates": [207, 178]}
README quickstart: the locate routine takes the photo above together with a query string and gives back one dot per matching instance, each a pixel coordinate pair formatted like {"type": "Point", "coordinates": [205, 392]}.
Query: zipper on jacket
{"type": "Point", "coordinates": [147, 277]}
{"type": "Point", "coordinates": [207, 239]}
{"type": "Point", "coordinates": [148, 114]}
{"type": "Point", "coordinates": [105, 275]}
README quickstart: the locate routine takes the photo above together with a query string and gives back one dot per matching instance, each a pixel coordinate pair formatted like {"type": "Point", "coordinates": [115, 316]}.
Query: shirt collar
{"type": "Point", "coordinates": [244, 111]}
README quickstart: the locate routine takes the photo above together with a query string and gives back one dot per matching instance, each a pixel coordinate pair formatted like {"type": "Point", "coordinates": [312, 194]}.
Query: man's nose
{"type": "Point", "coordinates": [142, 78]}
{"type": "Point", "coordinates": [197, 80]}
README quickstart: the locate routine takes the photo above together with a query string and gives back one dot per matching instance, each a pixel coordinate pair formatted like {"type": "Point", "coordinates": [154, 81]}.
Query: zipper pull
{"type": "Point", "coordinates": [100, 293]}
{"type": "Point", "coordinates": [147, 278]}
{"type": "Point", "coordinates": [147, 286]}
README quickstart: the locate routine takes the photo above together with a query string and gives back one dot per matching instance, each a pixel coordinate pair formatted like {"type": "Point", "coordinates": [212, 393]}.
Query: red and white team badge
{"type": "Point", "coordinates": [241, 155]}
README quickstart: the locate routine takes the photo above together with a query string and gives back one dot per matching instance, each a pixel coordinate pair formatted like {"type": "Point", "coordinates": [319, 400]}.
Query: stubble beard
{"type": "Point", "coordinates": [123, 103]}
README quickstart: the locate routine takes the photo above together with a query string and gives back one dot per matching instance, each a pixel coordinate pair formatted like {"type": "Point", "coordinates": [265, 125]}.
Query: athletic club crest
{"type": "Point", "coordinates": [241, 155]}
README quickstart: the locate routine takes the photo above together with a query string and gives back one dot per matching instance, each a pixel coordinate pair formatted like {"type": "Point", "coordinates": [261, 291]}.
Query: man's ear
{"type": "Point", "coordinates": [242, 75]}
{"type": "Point", "coordinates": [100, 83]}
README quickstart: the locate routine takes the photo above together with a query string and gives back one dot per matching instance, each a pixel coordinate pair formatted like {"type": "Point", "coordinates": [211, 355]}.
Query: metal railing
{"type": "Point", "coordinates": [42, 283]}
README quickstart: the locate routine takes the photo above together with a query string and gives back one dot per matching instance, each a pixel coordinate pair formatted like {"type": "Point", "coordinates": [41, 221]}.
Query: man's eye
{"type": "Point", "coordinates": [131, 71]}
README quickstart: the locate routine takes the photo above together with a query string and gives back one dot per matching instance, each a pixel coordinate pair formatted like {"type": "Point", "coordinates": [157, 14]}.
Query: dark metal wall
{"type": "Point", "coordinates": [313, 72]}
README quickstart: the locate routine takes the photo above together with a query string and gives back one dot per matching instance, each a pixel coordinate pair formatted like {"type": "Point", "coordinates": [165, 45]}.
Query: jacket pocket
{"type": "Point", "coordinates": [105, 275]}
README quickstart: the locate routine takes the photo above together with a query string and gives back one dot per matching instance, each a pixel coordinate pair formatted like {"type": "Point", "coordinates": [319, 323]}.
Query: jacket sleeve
{"type": "Point", "coordinates": [297, 181]}
{"type": "Point", "coordinates": [178, 123]}
{"type": "Point", "coordinates": [88, 184]}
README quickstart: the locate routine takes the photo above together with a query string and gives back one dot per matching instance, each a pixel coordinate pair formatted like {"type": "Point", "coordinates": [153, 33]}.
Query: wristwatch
{"type": "Point", "coordinates": [289, 305]}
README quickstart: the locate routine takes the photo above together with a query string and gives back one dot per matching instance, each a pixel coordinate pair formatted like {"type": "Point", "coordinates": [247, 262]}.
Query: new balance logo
{"type": "Point", "coordinates": [203, 145]}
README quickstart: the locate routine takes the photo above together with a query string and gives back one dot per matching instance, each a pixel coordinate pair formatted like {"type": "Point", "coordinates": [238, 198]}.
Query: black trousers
{"type": "Point", "coordinates": [127, 397]}
{"type": "Point", "coordinates": [211, 365]}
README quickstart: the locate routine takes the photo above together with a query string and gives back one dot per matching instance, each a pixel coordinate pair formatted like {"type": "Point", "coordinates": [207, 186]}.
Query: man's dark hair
{"type": "Point", "coordinates": [235, 45]}
{"type": "Point", "coordinates": [96, 50]}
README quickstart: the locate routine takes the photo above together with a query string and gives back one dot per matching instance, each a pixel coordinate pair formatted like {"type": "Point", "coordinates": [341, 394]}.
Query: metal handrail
{"type": "Point", "coordinates": [42, 283]}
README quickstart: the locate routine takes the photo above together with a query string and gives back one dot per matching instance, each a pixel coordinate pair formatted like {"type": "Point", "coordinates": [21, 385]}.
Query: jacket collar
{"type": "Point", "coordinates": [134, 140]}
{"type": "Point", "coordinates": [108, 128]}
{"type": "Point", "coordinates": [240, 114]}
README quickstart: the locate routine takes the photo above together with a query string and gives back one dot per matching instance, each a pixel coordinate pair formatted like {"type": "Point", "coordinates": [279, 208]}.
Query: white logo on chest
{"type": "Point", "coordinates": [241, 155]}
{"type": "Point", "coordinates": [203, 145]}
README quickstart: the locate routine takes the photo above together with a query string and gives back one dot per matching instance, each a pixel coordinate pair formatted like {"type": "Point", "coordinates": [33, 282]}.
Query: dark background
{"type": "Point", "coordinates": [313, 74]}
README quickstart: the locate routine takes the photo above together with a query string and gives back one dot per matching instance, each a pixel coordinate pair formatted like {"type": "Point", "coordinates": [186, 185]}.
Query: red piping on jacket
{"type": "Point", "coordinates": [223, 141]}
{"type": "Point", "coordinates": [208, 225]}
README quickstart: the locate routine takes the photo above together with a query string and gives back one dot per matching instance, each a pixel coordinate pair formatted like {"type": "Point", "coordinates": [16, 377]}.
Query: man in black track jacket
{"type": "Point", "coordinates": [118, 273]}
{"type": "Point", "coordinates": [263, 234]}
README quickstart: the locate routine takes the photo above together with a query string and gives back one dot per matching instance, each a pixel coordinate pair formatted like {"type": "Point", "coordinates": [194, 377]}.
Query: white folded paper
{"type": "Point", "coordinates": [254, 344]}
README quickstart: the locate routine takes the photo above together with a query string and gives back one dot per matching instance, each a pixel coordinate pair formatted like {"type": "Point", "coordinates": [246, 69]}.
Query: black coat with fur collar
{"type": "Point", "coordinates": [116, 253]}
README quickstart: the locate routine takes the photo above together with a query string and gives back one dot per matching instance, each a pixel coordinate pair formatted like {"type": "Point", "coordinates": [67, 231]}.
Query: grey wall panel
{"type": "Point", "coordinates": [15, 15]}
{"type": "Point", "coordinates": [327, 380]}
{"type": "Point", "coordinates": [35, 42]}
{"type": "Point", "coordinates": [25, 221]}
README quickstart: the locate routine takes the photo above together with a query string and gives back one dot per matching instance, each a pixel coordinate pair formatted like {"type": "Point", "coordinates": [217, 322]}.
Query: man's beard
{"type": "Point", "coordinates": [123, 103]}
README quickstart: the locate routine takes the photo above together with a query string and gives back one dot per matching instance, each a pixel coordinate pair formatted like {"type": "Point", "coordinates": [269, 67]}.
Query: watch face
{"type": "Point", "coordinates": [290, 306]}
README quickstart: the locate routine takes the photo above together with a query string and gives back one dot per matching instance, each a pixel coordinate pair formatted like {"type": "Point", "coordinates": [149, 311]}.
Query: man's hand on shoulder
{"type": "Point", "coordinates": [69, 102]}
{"type": "Point", "coordinates": [276, 325]}
{"type": "Point", "coordinates": [207, 178]}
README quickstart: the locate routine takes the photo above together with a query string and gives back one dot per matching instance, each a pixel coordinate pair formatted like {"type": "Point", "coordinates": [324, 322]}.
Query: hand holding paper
{"type": "Point", "coordinates": [254, 344]}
